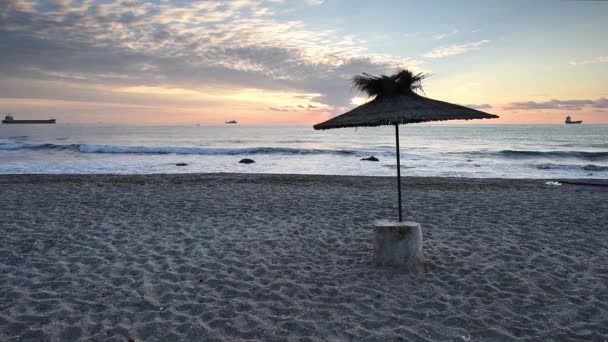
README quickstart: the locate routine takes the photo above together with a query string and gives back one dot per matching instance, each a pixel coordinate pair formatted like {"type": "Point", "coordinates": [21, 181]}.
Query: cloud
{"type": "Point", "coordinates": [601, 103]}
{"type": "Point", "coordinates": [455, 49]}
{"type": "Point", "coordinates": [558, 104]}
{"type": "Point", "coordinates": [446, 34]}
{"type": "Point", "coordinates": [282, 109]}
{"type": "Point", "coordinates": [246, 95]}
{"type": "Point", "coordinates": [316, 2]}
{"type": "Point", "coordinates": [479, 106]}
{"type": "Point", "coordinates": [597, 60]}
{"type": "Point", "coordinates": [301, 108]}
{"type": "Point", "coordinates": [181, 45]}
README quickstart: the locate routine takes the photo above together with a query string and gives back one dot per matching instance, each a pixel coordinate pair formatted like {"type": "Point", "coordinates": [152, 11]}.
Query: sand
{"type": "Point", "coordinates": [286, 257]}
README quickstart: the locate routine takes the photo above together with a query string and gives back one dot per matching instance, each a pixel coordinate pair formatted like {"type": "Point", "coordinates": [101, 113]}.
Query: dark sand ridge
{"type": "Point", "coordinates": [278, 257]}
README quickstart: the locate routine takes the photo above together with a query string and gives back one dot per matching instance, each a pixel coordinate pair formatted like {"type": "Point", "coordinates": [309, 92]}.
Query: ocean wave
{"type": "Point", "coordinates": [555, 154]}
{"type": "Point", "coordinates": [117, 149]}
{"type": "Point", "coordinates": [10, 146]}
{"type": "Point", "coordinates": [585, 145]}
{"type": "Point", "coordinates": [394, 166]}
{"type": "Point", "coordinates": [591, 167]}
{"type": "Point", "coordinates": [518, 154]}
{"type": "Point", "coordinates": [87, 148]}
{"type": "Point", "coordinates": [569, 167]}
{"type": "Point", "coordinates": [13, 146]}
{"type": "Point", "coordinates": [548, 166]}
{"type": "Point", "coordinates": [295, 141]}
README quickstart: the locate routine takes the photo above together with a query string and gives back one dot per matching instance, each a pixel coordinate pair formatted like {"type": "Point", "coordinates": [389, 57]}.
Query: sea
{"type": "Point", "coordinates": [428, 150]}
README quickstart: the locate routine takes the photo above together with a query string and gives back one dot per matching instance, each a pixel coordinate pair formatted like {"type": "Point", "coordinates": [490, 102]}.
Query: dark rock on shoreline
{"type": "Point", "coordinates": [247, 161]}
{"type": "Point", "coordinates": [372, 158]}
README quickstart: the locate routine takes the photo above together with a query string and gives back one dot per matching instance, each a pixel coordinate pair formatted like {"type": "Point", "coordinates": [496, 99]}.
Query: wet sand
{"type": "Point", "coordinates": [287, 257]}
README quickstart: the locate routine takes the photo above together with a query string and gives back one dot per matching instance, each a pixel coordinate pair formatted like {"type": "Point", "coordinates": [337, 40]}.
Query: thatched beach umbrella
{"type": "Point", "coordinates": [396, 102]}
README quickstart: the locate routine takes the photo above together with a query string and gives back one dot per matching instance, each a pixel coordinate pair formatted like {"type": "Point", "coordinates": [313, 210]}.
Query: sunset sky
{"type": "Point", "coordinates": [283, 61]}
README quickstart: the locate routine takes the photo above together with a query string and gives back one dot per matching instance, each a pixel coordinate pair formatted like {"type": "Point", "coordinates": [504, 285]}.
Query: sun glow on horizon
{"type": "Point", "coordinates": [359, 100]}
{"type": "Point", "coordinates": [285, 99]}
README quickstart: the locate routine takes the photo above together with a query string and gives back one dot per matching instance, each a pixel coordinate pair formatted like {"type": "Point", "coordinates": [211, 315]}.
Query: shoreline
{"type": "Point", "coordinates": [408, 182]}
{"type": "Point", "coordinates": [295, 175]}
{"type": "Point", "coordinates": [277, 257]}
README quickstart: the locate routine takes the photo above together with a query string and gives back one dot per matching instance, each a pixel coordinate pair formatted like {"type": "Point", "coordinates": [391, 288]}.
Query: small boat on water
{"type": "Point", "coordinates": [8, 119]}
{"type": "Point", "coordinates": [570, 121]}
{"type": "Point", "coordinates": [231, 122]}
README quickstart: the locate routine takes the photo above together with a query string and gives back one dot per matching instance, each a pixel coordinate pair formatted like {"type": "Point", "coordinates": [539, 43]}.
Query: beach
{"type": "Point", "coordinates": [197, 257]}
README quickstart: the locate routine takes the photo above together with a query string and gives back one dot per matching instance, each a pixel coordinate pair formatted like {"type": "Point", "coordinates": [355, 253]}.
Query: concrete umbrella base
{"type": "Point", "coordinates": [398, 244]}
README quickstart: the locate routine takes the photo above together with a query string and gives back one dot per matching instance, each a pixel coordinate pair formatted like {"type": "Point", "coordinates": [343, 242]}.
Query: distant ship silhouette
{"type": "Point", "coordinates": [569, 121]}
{"type": "Point", "coordinates": [8, 119]}
{"type": "Point", "coordinates": [231, 122]}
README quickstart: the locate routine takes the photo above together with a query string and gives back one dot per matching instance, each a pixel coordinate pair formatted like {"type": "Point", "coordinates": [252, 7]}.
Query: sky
{"type": "Point", "coordinates": [292, 61]}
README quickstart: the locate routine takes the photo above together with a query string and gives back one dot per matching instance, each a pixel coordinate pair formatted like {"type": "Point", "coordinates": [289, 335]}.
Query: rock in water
{"type": "Point", "coordinates": [372, 158]}
{"type": "Point", "coordinates": [247, 161]}
{"type": "Point", "coordinates": [181, 164]}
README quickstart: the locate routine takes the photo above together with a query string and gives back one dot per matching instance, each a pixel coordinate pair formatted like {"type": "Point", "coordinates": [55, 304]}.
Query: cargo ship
{"type": "Point", "coordinates": [10, 120]}
{"type": "Point", "coordinates": [569, 121]}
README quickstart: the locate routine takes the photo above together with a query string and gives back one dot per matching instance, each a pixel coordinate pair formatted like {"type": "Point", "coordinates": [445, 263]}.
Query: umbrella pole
{"type": "Point", "coordinates": [398, 171]}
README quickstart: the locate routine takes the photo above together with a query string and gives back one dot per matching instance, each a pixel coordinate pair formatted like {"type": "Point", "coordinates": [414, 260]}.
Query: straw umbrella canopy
{"type": "Point", "coordinates": [396, 102]}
